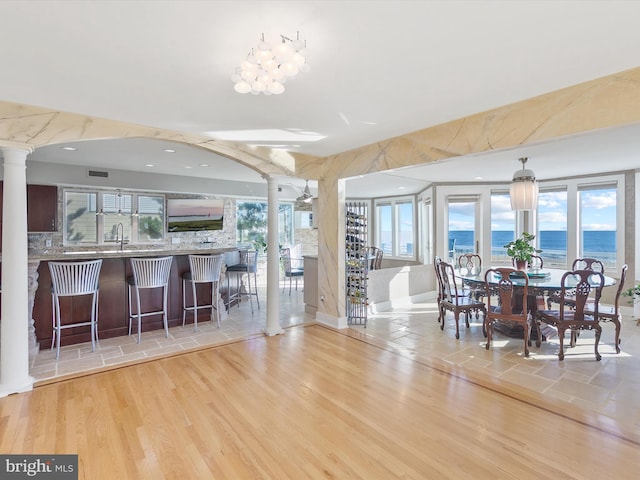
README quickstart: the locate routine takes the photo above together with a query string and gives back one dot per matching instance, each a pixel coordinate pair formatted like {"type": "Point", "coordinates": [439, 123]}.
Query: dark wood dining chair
{"type": "Point", "coordinates": [611, 313]}
{"type": "Point", "coordinates": [576, 317]}
{"type": "Point", "coordinates": [471, 263]}
{"type": "Point", "coordinates": [375, 258]}
{"type": "Point", "coordinates": [592, 264]}
{"type": "Point", "coordinates": [455, 301]}
{"type": "Point", "coordinates": [511, 307]}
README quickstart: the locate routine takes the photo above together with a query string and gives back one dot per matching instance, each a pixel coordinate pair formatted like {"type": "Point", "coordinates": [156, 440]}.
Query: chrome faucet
{"type": "Point", "coordinates": [120, 235]}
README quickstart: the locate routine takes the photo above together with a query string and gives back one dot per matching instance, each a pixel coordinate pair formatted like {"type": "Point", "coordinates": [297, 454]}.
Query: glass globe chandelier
{"type": "Point", "coordinates": [269, 65]}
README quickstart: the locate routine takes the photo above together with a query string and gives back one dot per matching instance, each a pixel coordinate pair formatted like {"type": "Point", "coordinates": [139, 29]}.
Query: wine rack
{"type": "Point", "coordinates": [357, 268]}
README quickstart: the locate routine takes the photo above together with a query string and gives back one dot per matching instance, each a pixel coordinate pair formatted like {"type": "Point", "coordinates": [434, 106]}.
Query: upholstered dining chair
{"type": "Point", "coordinates": [454, 301]}
{"type": "Point", "coordinates": [511, 307]}
{"type": "Point", "coordinates": [576, 317]}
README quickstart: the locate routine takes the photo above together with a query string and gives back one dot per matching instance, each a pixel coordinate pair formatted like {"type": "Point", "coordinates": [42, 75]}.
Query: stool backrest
{"type": "Point", "coordinates": [205, 268]}
{"type": "Point", "coordinates": [151, 272]}
{"type": "Point", "coordinates": [252, 260]}
{"type": "Point", "coordinates": [75, 278]}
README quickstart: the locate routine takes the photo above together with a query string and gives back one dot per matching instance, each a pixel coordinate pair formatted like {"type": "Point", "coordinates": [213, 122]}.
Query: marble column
{"type": "Point", "coordinates": [14, 341]}
{"type": "Point", "coordinates": [273, 261]}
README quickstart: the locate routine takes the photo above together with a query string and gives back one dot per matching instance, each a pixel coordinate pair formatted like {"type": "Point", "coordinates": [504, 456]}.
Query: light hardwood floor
{"type": "Point", "coordinates": [313, 403]}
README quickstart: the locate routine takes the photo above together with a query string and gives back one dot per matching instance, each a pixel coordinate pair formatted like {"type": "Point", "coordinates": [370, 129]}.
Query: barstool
{"type": "Point", "coordinates": [72, 279]}
{"type": "Point", "coordinates": [248, 264]}
{"type": "Point", "coordinates": [149, 273]}
{"type": "Point", "coordinates": [203, 269]}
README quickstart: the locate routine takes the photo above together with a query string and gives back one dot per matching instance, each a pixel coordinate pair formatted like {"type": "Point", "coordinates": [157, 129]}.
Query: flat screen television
{"type": "Point", "coordinates": [194, 214]}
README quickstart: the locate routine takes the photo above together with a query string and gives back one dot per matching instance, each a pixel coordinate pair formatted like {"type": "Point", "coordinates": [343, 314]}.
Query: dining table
{"type": "Point", "coordinates": [542, 282]}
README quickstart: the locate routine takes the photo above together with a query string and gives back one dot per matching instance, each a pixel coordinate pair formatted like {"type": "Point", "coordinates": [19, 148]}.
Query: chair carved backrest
{"type": "Point", "coordinates": [499, 282]}
{"type": "Point", "coordinates": [151, 272]}
{"type": "Point", "coordinates": [436, 266]}
{"type": "Point", "coordinates": [470, 263]}
{"type": "Point", "coordinates": [449, 284]}
{"type": "Point", "coordinates": [581, 283]}
{"type": "Point", "coordinates": [623, 277]}
{"type": "Point", "coordinates": [205, 268]}
{"type": "Point", "coordinates": [536, 262]}
{"type": "Point", "coordinates": [591, 264]}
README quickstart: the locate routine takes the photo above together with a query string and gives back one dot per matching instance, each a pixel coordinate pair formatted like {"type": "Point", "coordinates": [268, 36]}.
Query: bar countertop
{"type": "Point", "coordinates": [80, 254]}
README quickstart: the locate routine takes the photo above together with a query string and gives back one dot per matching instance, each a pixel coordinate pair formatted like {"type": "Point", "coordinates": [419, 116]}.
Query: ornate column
{"type": "Point", "coordinates": [273, 261]}
{"type": "Point", "coordinates": [34, 347]}
{"type": "Point", "coordinates": [16, 318]}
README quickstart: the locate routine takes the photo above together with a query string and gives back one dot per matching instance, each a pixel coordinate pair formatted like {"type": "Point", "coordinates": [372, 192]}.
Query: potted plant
{"type": "Point", "coordinates": [634, 294]}
{"type": "Point", "coordinates": [521, 249]}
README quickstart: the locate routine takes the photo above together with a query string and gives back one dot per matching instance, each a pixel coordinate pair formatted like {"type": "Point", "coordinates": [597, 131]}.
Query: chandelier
{"type": "Point", "coordinates": [524, 189]}
{"type": "Point", "coordinates": [269, 65]}
{"type": "Point", "coordinates": [306, 195]}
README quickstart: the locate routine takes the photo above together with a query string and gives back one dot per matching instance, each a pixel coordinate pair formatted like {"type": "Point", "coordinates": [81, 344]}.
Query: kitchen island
{"type": "Point", "coordinates": [113, 310]}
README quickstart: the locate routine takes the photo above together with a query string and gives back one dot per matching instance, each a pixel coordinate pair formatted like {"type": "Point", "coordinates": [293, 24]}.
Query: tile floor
{"type": "Point", "coordinates": [610, 387]}
{"type": "Point", "coordinates": [240, 323]}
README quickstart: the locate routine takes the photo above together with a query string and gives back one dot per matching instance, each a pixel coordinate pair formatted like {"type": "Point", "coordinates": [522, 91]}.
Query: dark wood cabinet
{"type": "Point", "coordinates": [42, 208]}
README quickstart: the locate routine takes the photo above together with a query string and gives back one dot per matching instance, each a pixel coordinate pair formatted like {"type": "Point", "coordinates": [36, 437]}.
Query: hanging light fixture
{"type": "Point", "coordinates": [306, 194]}
{"type": "Point", "coordinates": [268, 65]}
{"type": "Point", "coordinates": [524, 189]}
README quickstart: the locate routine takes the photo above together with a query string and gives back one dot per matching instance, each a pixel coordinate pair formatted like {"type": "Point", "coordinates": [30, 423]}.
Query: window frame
{"type": "Point", "coordinates": [394, 203]}
{"type": "Point", "coordinates": [101, 215]}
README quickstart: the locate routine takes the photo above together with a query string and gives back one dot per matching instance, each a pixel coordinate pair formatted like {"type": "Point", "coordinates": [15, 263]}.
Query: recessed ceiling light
{"type": "Point", "coordinates": [478, 178]}
{"type": "Point", "coordinates": [204, 164]}
{"type": "Point", "coordinates": [169, 150]}
{"type": "Point", "coordinates": [70, 149]}
{"type": "Point", "coordinates": [401, 188]}
{"type": "Point", "coordinates": [149, 165]}
{"type": "Point", "coordinates": [188, 166]}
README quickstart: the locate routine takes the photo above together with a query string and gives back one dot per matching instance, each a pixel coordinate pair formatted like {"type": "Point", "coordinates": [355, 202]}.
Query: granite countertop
{"type": "Point", "coordinates": [79, 254]}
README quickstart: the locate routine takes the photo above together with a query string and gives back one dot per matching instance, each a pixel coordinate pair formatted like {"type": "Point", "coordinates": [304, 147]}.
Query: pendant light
{"type": "Point", "coordinates": [524, 189]}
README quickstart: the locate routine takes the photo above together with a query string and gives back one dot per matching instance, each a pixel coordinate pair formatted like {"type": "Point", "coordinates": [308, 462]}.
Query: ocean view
{"type": "Point", "coordinates": [553, 243]}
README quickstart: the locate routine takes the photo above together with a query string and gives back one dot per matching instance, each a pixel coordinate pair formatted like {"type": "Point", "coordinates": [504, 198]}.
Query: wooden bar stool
{"type": "Point", "coordinates": [149, 273]}
{"type": "Point", "coordinates": [203, 269]}
{"type": "Point", "coordinates": [73, 279]}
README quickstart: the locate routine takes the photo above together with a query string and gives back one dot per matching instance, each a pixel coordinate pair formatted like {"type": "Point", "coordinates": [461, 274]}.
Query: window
{"type": "Point", "coordinates": [503, 227]}
{"type": "Point", "coordinates": [150, 218]}
{"type": "Point", "coordinates": [462, 225]}
{"type": "Point", "coordinates": [552, 227]}
{"type": "Point", "coordinates": [598, 215]}
{"type": "Point", "coordinates": [93, 217]}
{"type": "Point", "coordinates": [80, 224]}
{"type": "Point", "coordinates": [395, 232]}
{"type": "Point", "coordinates": [251, 224]}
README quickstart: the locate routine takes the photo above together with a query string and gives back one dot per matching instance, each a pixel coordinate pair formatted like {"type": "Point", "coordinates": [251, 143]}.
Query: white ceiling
{"type": "Point", "coordinates": [378, 69]}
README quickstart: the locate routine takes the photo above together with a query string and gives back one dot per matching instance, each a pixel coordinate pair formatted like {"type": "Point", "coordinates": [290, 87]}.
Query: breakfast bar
{"type": "Point", "coordinates": [113, 313]}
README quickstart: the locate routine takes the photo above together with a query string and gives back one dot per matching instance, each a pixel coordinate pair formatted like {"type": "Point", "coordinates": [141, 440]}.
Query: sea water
{"type": "Point", "coordinates": [596, 244]}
